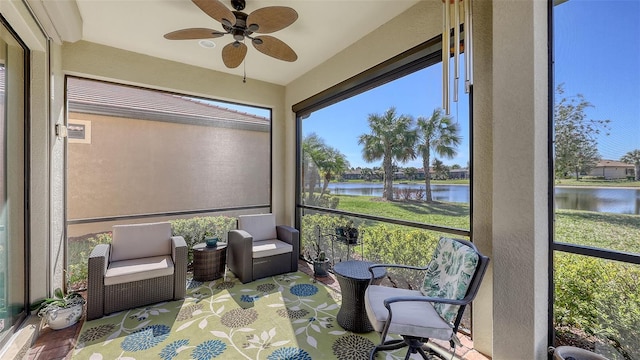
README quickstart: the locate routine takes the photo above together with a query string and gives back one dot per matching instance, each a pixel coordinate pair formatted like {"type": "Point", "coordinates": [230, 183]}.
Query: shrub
{"type": "Point", "coordinates": [192, 230]}
{"type": "Point", "coordinates": [326, 201]}
{"type": "Point", "coordinates": [382, 243]}
{"type": "Point", "coordinates": [79, 250]}
{"type": "Point", "coordinates": [600, 298]}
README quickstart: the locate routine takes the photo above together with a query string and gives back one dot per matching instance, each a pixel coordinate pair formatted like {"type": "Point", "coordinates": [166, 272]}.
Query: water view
{"type": "Point", "coordinates": [611, 200]}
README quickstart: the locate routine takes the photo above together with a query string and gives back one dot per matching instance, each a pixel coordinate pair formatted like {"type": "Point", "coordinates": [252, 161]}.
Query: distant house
{"type": "Point", "coordinates": [355, 174]}
{"type": "Point", "coordinates": [459, 173]}
{"type": "Point", "coordinates": [611, 170]}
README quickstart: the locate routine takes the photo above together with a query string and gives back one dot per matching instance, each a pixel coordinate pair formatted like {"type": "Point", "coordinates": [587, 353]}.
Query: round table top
{"type": "Point", "coordinates": [358, 270]}
{"type": "Point", "coordinates": [203, 246]}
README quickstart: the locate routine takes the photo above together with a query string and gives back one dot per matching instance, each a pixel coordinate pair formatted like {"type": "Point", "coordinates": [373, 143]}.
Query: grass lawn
{"type": "Point", "coordinates": [598, 183]}
{"type": "Point", "coordinates": [437, 213]}
{"type": "Point", "coordinates": [605, 230]}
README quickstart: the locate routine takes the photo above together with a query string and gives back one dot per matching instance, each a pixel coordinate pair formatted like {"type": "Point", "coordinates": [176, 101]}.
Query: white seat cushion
{"type": "Point", "coordinates": [140, 241]}
{"type": "Point", "coordinates": [409, 318]}
{"type": "Point", "coordinates": [125, 271]}
{"type": "Point", "coordinates": [259, 226]}
{"type": "Point", "coordinates": [271, 247]}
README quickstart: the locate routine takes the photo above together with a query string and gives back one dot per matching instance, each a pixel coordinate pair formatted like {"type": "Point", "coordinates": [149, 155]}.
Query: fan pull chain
{"type": "Point", "coordinates": [244, 70]}
{"type": "Point", "coordinates": [244, 67]}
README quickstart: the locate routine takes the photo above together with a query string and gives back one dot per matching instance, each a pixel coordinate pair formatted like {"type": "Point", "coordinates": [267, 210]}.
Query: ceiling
{"type": "Point", "coordinates": [323, 28]}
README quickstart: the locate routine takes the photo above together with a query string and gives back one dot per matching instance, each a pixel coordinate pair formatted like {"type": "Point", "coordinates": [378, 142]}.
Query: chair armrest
{"type": "Point", "coordinates": [179, 254]}
{"type": "Point", "coordinates": [179, 249]}
{"type": "Point", "coordinates": [397, 266]}
{"type": "Point", "coordinates": [97, 267]}
{"type": "Point", "coordinates": [240, 254]}
{"type": "Point", "coordinates": [395, 299]}
{"type": "Point", "coordinates": [290, 235]}
{"type": "Point", "coordinates": [99, 259]}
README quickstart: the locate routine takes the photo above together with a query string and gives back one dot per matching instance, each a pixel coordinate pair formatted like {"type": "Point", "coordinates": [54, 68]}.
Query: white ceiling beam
{"type": "Point", "coordinates": [61, 19]}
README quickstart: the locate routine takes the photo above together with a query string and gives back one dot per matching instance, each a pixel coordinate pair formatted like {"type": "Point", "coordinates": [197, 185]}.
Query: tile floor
{"type": "Point", "coordinates": [58, 344]}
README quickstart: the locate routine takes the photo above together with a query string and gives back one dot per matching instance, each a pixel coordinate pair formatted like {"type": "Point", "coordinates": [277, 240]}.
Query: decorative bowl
{"type": "Point", "coordinates": [211, 242]}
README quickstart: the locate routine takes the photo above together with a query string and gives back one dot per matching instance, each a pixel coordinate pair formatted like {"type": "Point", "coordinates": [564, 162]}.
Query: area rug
{"type": "Point", "coordinates": [283, 317]}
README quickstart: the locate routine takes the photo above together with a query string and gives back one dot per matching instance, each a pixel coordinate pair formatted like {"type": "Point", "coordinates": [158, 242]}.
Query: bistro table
{"type": "Point", "coordinates": [209, 263]}
{"type": "Point", "coordinates": [353, 277]}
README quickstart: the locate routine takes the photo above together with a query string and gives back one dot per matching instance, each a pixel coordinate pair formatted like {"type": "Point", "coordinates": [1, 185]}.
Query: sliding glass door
{"type": "Point", "coordinates": [12, 183]}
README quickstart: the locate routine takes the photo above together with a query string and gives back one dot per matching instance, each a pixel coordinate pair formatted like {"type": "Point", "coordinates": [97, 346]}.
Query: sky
{"type": "Point", "coordinates": [596, 54]}
{"type": "Point", "coordinates": [417, 95]}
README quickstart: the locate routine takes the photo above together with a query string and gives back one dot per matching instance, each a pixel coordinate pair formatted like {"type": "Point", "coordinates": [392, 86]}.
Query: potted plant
{"type": "Point", "coordinates": [60, 311]}
{"type": "Point", "coordinates": [210, 239]}
{"type": "Point", "coordinates": [348, 233]}
{"type": "Point", "coordinates": [319, 260]}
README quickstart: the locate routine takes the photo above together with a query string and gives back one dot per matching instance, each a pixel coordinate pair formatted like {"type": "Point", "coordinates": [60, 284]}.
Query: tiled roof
{"type": "Point", "coordinates": [612, 163]}
{"type": "Point", "coordinates": [89, 96]}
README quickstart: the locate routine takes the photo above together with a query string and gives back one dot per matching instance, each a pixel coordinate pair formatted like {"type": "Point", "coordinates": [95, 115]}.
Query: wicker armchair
{"type": "Point", "coordinates": [260, 248]}
{"type": "Point", "coordinates": [143, 265]}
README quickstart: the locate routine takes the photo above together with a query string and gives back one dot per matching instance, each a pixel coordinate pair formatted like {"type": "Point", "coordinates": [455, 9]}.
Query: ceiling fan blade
{"type": "Point", "coordinates": [233, 54]}
{"type": "Point", "coordinates": [193, 33]}
{"type": "Point", "coordinates": [216, 10]}
{"type": "Point", "coordinates": [272, 18]}
{"type": "Point", "coordinates": [274, 47]}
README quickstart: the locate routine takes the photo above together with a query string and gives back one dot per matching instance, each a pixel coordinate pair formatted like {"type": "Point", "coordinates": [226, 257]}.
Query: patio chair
{"type": "Point", "coordinates": [451, 282]}
{"type": "Point", "coordinates": [259, 248]}
{"type": "Point", "coordinates": [143, 265]}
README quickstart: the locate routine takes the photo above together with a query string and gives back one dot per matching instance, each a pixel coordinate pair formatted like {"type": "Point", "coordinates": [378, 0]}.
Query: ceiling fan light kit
{"type": "Point", "coordinates": [240, 26]}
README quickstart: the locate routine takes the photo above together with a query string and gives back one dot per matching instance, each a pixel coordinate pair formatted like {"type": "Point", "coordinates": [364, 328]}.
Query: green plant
{"type": "Point", "coordinates": [79, 249]}
{"type": "Point", "coordinates": [599, 298]}
{"type": "Point", "coordinates": [322, 256]}
{"type": "Point", "coordinates": [60, 300]}
{"type": "Point", "coordinates": [314, 252]}
{"type": "Point", "coordinates": [194, 230]}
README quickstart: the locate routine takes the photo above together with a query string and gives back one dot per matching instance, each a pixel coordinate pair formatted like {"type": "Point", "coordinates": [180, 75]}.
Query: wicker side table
{"type": "Point", "coordinates": [353, 277]}
{"type": "Point", "coordinates": [209, 263]}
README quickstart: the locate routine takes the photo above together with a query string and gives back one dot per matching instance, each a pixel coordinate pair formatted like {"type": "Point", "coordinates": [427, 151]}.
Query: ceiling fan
{"type": "Point", "coordinates": [240, 25]}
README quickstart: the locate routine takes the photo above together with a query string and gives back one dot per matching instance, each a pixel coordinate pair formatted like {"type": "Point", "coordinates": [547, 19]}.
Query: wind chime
{"type": "Point", "coordinates": [458, 9]}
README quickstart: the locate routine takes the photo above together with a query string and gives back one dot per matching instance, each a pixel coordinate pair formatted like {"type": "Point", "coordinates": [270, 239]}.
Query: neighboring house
{"type": "Point", "coordinates": [611, 170]}
{"type": "Point", "coordinates": [459, 174]}
{"type": "Point", "coordinates": [352, 174]}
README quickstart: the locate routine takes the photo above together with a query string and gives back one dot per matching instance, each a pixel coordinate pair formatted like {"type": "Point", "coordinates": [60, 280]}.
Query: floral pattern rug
{"type": "Point", "coordinates": [283, 317]}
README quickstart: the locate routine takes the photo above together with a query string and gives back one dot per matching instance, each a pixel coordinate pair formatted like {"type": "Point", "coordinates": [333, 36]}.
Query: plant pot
{"type": "Point", "coordinates": [570, 352]}
{"type": "Point", "coordinates": [211, 242]}
{"type": "Point", "coordinates": [62, 318]}
{"type": "Point", "coordinates": [321, 268]}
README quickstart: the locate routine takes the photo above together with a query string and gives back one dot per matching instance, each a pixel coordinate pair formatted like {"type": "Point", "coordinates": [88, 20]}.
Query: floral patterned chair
{"type": "Point", "coordinates": [451, 282]}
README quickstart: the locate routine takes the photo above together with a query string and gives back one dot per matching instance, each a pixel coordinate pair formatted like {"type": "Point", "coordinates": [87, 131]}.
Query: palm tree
{"type": "Point", "coordinates": [312, 146]}
{"type": "Point", "coordinates": [440, 170]}
{"type": "Point", "coordinates": [392, 138]}
{"type": "Point", "coordinates": [439, 134]}
{"type": "Point", "coordinates": [332, 163]}
{"type": "Point", "coordinates": [633, 157]}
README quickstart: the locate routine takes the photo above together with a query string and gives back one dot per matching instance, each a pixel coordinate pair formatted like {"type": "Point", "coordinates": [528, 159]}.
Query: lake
{"type": "Point", "coordinates": [612, 200]}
